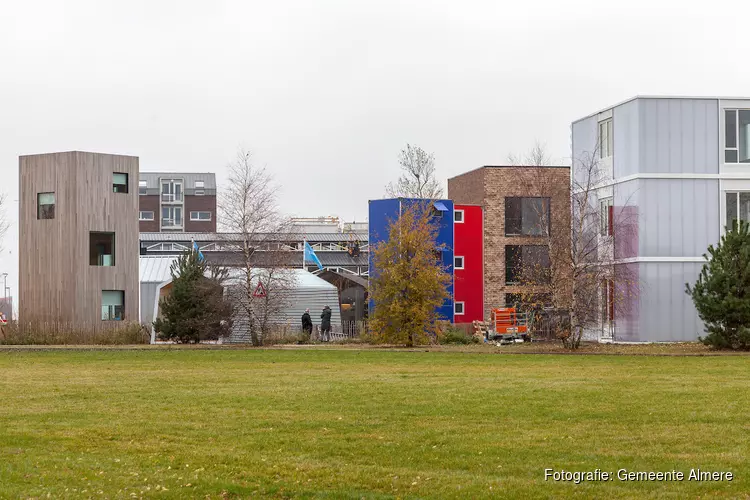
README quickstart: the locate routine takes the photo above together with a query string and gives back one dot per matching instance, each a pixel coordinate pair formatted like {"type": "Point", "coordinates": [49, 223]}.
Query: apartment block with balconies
{"type": "Point", "coordinates": [177, 202]}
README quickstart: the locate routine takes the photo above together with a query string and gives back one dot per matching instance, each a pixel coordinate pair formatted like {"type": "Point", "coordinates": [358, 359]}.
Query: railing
{"type": "Point", "coordinates": [171, 223]}
{"type": "Point", "coordinates": [171, 197]}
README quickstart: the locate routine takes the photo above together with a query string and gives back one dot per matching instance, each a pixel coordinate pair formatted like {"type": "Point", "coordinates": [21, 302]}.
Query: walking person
{"type": "Point", "coordinates": [307, 326]}
{"type": "Point", "coordinates": [325, 324]}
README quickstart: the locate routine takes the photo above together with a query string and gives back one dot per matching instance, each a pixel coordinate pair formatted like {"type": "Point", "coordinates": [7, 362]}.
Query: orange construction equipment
{"type": "Point", "coordinates": [506, 321]}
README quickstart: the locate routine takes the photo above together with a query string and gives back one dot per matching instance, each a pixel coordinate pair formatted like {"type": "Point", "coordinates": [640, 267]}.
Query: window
{"type": "Point", "coordinates": [171, 217]}
{"type": "Point", "coordinates": [738, 208]}
{"type": "Point", "coordinates": [200, 216]}
{"type": "Point", "coordinates": [608, 301]}
{"type": "Point", "coordinates": [171, 191]}
{"type": "Point", "coordinates": [142, 188]}
{"type": "Point", "coordinates": [199, 188]}
{"type": "Point", "coordinates": [458, 308]}
{"type": "Point", "coordinates": [438, 254]}
{"type": "Point", "coordinates": [101, 249]}
{"type": "Point", "coordinates": [145, 215]}
{"type": "Point", "coordinates": [458, 262]}
{"type": "Point", "coordinates": [119, 183]}
{"type": "Point", "coordinates": [434, 212]}
{"type": "Point", "coordinates": [606, 213]}
{"type": "Point", "coordinates": [45, 206]}
{"type": "Point", "coordinates": [458, 216]}
{"type": "Point", "coordinates": [737, 136]}
{"type": "Point", "coordinates": [527, 216]}
{"type": "Point", "coordinates": [527, 264]}
{"type": "Point", "coordinates": [605, 138]}
{"type": "Point", "coordinates": [113, 303]}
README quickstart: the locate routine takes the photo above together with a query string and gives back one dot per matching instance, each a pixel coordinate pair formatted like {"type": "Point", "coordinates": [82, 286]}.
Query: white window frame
{"type": "Point", "coordinates": [142, 188]}
{"type": "Point", "coordinates": [172, 212]}
{"type": "Point", "coordinates": [171, 196]}
{"type": "Point", "coordinates": [200, 189]}
{"type": "Point", "coordinates": [455, 264]}
{"type": "Point", "coordinates": [463, 308]}
{"type": "Point", "coordinates": [605, 138]}
{"type": "Point", "coordinates": [197, 218]}
{"type": "Point", "coordinates": [736, 147]}
{"type": "Point", "coordinates": [736, 194]}
{"type": "Point", "coordinates": [141, 217]}
{"type": "Point", "coordinates": [463, 215]}
{"type": "Point", "coordinates": [604, 223]}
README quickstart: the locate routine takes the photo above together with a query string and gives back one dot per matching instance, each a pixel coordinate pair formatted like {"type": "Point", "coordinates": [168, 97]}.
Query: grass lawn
{"type": "Point", "coordinates": [182, 423]}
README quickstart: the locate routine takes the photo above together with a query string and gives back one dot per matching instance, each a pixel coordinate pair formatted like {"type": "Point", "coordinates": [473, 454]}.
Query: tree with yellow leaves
{"type": "Point", "coordinates": [409, 283]}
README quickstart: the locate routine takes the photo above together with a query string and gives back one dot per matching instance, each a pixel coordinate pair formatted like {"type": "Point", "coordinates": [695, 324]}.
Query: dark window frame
{"type": "Point", "coordinates": [118, 187]}
{"type": "Point", "coordinates": [514, 266]}
{"type": "Point", "coordinates": [513, 226]}
{"type": "Point", "coordinates": [112, 311]}
{"type": "Point", "coordinates": [45, 211]}
{"type": "Point", "coordinates": [97, 240]}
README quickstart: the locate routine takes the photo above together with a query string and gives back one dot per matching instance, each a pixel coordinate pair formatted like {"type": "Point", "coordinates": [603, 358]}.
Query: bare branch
{"type": "Point", "coordinates": [418, 179]}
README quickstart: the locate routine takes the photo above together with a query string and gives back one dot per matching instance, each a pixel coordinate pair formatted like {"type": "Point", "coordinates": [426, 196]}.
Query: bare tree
{"type": "Point", "coordinates": [258, 230]}
{"type": "Point", "coordinates": [418, 178]}
{"type": "Point", "coordinates": [4, 224]}
{"type": "Point", "coordinates": [537, 156]}
{"type": "Point", "coordinates": [582, 271]}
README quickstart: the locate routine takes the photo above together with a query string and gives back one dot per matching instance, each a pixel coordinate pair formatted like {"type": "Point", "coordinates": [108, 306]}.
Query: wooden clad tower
{"type": "Point", "coordinates": [78, 239]}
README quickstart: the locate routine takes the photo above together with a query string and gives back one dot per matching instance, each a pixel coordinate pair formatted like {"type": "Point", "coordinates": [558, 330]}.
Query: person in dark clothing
{"type": "Point", "coordinates": [325, 324]}
{"type": "Point", "coordinates": [307, 326]}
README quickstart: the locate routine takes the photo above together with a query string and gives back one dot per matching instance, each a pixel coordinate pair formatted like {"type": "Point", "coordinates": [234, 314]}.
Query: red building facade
{"type": "Point", "coordinates": [468, 269]}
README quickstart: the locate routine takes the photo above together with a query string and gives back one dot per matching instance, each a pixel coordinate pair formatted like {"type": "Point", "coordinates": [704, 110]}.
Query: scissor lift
{"type": "Point", "coordinates": [508, 325]}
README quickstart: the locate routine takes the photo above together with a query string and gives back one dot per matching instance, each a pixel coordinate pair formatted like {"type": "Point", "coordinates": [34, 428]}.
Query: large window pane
{"type": "Point", "coordinates": [731, 209]}
{"type": "Point", "coordinates": [512, 216]}
{"type": "Point", "coordinates": [730, 128]}
{"type": "Point", "coordinates": [113, 302]}
{"type": "Point", "coordinates": [536, 263]}
{"type": "Point", "coordinates": [744, 133]}
{"type": "Point", "coordinates": [745, 207]}
{"type": "Point", "coordinates": [512, 264]}
{"type": "Point", "coordinates": [533, 216]}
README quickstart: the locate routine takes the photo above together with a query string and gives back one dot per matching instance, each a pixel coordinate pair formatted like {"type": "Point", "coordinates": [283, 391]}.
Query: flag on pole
{"type": "Point", "coordinates": [309, 256]}
{"type": "Point", "coordinates": [198, 251]}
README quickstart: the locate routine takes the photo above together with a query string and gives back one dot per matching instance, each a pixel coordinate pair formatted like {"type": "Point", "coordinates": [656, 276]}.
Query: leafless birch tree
{"type": "Point", "coordinates": [582, 273]}
{"type": "Point", "coordinates": [258, 231]}
{"type": "Point", "coordinates": [4, 224]}
{"type": "Point", "coordinates": [418, 178]}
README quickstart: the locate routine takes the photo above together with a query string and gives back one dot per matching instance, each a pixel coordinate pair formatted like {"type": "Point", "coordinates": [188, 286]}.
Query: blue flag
{"type": "Point", "coordinates": [310, 256]}
{"type": "Point", "coordinates": [198, 251]}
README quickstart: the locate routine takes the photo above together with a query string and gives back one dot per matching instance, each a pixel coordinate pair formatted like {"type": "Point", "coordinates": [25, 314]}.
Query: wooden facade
{"type": "Point", "coordinates": [57, 283]}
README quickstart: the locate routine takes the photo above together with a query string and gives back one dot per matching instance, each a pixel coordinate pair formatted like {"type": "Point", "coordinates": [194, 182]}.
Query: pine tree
{"type": "Point", "coordinates": [410, 283]}
{"type": "Point", "coordinates": [195, 309]}
{"type": "Point", "coordinates": [722, 292]}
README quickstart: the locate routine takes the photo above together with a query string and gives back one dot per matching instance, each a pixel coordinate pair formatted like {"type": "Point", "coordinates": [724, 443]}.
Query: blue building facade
{"type": "Point", "coordinates": [382, 212]}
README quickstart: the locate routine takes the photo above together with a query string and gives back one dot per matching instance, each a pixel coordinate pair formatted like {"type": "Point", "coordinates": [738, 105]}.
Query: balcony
{"type": "Point", "coordinates": [171, 197]}
{"type": "Point", "coordinates": [171, 223]}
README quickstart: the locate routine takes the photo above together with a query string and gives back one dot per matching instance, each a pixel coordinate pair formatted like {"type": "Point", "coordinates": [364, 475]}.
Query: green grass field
{"type": "Point", "coordinates": [171, 423]}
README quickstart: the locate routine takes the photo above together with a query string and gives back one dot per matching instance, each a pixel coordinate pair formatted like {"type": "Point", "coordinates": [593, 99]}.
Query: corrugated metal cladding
{"type": "Point", "coordinates": [361, 236]}
{"type": "Point", "coordinates": [294, 259]}
{"type": "Point", "coordinates": [309, 292]}
{"type": "Point", "coordinates": [155, 269]}
{"type": "Point", "coordinates": [189, 178]}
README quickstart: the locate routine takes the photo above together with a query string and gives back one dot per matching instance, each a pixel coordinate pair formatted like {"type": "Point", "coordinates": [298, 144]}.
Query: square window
{"type": "Point", "coordinates": [142, 188]}
{"type": "Point", "coordinates": [145, 215]}
{"type": "Point", "coordinates": [458, 308]}
{"type": "Point", "coordinates": [101, 249]}
{"type": "Point", "coordinates": [119, 182]}
{"type": "Point", "coordinates": [199, 188]}
{"type": "Point", "coordinates": [527, 216]}
{"type": "Point", "coordinates": [45, 206]}
{"type": "Point", "coordinates": [458, 262]}
{"type": "Point", "coordinates": [113, 305]}
{"type": "Point", "coordinates": [458, 216]}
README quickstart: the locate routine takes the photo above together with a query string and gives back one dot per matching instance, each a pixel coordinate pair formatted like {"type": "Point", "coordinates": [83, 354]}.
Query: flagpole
{"type": "Point", "coordinates": [304, 249]}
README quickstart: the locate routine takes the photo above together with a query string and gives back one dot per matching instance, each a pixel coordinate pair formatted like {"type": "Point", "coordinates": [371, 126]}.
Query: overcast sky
{"type": "Point", "coordinates": [326, 93]}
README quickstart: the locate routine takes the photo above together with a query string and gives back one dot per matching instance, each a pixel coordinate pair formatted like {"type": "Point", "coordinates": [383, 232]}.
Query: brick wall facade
{"type": "Point", "coordinates": [206, 203]}
{"type": "Point", "coordinates": [488, 187]}
{"type": "Point", "coordinates": [149, 203]}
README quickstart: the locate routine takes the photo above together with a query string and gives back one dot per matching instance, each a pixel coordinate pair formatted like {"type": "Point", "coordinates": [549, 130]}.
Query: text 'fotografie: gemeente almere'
{"type": "Point", "coordinates": [626, 475]}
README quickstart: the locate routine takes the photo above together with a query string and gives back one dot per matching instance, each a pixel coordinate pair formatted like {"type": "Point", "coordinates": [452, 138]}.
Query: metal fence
{"type": "Point", "coordinates": [546, 324]}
